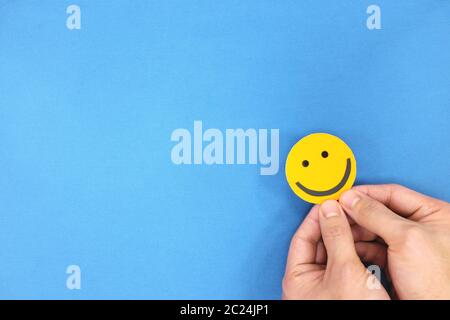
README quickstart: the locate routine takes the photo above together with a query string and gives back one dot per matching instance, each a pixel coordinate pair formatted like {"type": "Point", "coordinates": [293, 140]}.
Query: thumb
{"type": "Point", "coordinates": [336, 233]}
{"type": "Point", "coordinates": [373, 215]}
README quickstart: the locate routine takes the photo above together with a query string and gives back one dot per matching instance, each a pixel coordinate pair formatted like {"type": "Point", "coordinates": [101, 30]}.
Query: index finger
{"type": "Point", "coordinates": [403, 201]}
{"type": "Point", "coordinates": [303, 248]}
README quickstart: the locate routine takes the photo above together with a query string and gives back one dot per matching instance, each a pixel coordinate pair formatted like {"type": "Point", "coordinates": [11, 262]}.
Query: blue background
{"type": "Point", "coordinates": [86, 117]}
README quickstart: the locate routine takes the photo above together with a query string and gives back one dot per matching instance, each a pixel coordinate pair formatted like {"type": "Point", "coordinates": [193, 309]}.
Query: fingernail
{"type": "Point", "coordinates": [330, 209]}
{"type": "Point", "coordinates": [349, 198]}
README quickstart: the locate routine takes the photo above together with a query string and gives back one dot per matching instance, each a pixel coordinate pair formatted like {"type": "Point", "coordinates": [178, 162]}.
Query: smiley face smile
{"type": "Point", "coordinates": [332, 190]}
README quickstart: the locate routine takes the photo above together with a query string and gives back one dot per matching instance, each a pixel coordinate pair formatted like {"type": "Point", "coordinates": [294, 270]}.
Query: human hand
{"type": "Point", "coordinates": [407, 231]}
{"type": "Point", "coordinates": [328, 269]}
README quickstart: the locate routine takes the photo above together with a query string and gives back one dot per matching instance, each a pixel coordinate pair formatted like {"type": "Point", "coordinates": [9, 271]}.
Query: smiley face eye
{"type": "Point", "coordinates": [305, 163]}
{"type": "Point", "coordinates": [324, 154]}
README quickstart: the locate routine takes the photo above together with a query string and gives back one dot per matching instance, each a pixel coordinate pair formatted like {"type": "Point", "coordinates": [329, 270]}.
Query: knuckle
{"type": "Point", "coordinates": [431, 206]}
{"type": "Point", "coordinates": [366, 206]}
{"type": "Point", "coordinates": [295, 241]}
{"type": "Point", "coordinates": [394, 186]}
{"type": "Point", "coordinates": [298, 241]}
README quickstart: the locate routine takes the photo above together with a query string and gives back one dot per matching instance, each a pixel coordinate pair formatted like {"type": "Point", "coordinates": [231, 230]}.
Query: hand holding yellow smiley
{"type": "Point", "coordinates": [319, 167]}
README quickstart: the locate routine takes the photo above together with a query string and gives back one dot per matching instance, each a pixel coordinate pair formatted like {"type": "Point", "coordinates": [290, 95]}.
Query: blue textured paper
{"type": "Point", "coordinates": [86, 116]}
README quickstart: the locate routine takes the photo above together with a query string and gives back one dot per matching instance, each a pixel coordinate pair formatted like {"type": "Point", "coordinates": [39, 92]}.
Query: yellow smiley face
{"type": "Point", "coordinates": [319, 167]}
